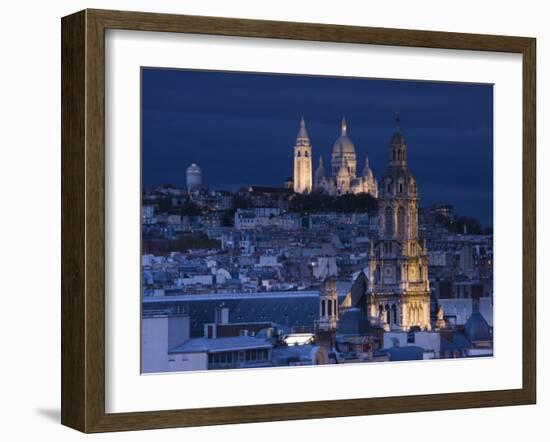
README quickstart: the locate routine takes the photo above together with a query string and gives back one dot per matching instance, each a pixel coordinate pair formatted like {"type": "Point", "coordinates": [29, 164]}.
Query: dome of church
{"type": "Point", "coordinates": [367, 172]}
{"type": "Point", "coordinates": [343, 145]}
{"type": "Point", "coordinates": [353, 322]}
{"type": "Point", "coordinates": [476, 328]}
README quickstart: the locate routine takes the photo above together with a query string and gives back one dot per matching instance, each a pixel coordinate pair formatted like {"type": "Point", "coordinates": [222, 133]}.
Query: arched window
{"type": "Point", "coordinates": [305, 153]}
{"type": "Point", "coordinates": [329, 307]}
{"type": "Point", "coordinates": [389, 221]}
{"type": "Point", "coordinates": [393, 151]}
{"type": "Point", "coordinates": [299, 154]}
{"type": "Point", "coordinates": [323, 307]}
{"type": "Point", "coordinates": [400, 221]}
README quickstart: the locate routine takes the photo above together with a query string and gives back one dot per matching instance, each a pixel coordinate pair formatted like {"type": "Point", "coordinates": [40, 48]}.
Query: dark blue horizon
{"type": "Point", "coordinates": [241, 127]}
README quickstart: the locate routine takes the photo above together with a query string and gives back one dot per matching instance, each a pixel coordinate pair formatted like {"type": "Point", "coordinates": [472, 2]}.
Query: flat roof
{"type": "Point", "coordinates": [222, 296]}
{"type": "Point", "coordinates": [201, 345]}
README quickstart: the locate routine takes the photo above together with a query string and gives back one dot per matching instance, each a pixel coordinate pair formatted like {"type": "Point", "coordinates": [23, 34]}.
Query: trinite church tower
{"type": "Point", "coordinates": [398, 291]}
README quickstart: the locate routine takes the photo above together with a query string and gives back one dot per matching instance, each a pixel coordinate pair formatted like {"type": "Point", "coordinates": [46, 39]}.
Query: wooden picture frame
{"type": "Point", "coordinates": [83, 220]}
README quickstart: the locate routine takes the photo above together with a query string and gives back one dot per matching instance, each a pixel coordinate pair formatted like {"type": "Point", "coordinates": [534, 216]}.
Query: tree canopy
{"type": "Point", "coordinates": [317, 202]}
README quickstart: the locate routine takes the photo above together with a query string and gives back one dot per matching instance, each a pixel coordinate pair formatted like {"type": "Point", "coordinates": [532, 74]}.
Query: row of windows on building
{"type": "Point", "coordinates": [230, 358]}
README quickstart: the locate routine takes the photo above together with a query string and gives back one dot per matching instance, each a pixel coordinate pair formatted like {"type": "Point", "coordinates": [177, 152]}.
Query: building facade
{"type": "Point", "coordinates": [398, 292]}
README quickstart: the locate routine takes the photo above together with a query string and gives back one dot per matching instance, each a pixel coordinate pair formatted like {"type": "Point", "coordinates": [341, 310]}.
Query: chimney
{"type": "Point", "coordinates": [222, 314]}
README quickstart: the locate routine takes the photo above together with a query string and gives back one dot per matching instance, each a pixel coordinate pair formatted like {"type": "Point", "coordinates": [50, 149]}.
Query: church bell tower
{"type": "Point", "coordinates": [302, 161]}
{"type": "Point", "coordinates": [399, 292]}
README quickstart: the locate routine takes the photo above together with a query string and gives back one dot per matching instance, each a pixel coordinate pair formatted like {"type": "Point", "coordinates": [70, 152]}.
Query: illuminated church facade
{"type": "Point", "coordinates": [398, 293]}
{"type": "Point", "coordinates": [393, 291]}
{"type": "Point", "coordinates": [343, 176]}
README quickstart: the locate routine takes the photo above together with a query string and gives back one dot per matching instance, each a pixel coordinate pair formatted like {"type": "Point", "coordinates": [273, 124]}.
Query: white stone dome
{"type": "Point", "coordinates": [367, 172]}
{"type": "Point", "coordinates": [343, 145]}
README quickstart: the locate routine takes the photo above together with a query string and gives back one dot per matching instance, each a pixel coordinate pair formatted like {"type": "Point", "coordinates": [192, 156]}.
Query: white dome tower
{"type": "Point", "coordinates": [193, 177]}
{"type": "Point", "coordinates": [343, 153]}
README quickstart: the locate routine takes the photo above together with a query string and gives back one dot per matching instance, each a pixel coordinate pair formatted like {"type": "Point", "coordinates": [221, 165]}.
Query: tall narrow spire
{"type": "Point", "coordinates": [319, 174]}
{"type": "Point", "coordinates": [302, 161]}
{"type": "Point", "coordinates": [397, 122]}
{"type": "Point", "coordinates": [302, 132]}
{"type": "Point", "coordinates": [344, 126]}
{"type": "Point", "coordinates": [367, 173]}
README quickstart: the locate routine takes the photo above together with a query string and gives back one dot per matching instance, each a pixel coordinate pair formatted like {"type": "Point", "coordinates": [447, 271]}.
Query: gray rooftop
{"type": "Point", "coordinates": [290, 309]}
{"type": "Point", "coordinates": [200, 345]}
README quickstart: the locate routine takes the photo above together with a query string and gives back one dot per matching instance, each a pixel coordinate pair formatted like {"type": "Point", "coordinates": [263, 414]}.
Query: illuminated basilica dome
{"type": "Point", "coordinates": [343, 173]}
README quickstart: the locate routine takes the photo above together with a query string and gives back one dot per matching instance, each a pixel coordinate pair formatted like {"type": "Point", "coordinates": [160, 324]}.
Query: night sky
{"type": "Point", "coordinates": [240, 129]}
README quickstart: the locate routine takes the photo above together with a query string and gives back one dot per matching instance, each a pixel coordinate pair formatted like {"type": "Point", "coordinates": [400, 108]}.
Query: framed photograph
{"type": "Point", "coordinates": [267, 221]}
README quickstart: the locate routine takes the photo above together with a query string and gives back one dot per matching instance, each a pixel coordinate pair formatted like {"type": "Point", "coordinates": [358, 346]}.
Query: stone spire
{"type": "Point", "coordinates": [319, 174]}
{"type": "Point", "coordinates": [344, 126]}
{"type": "Point", "coordinates": [302, 132]}
{"type": "Point", "coordinates": [366, 170]}
{"type": "Point", "coordinates": [398, 147]}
